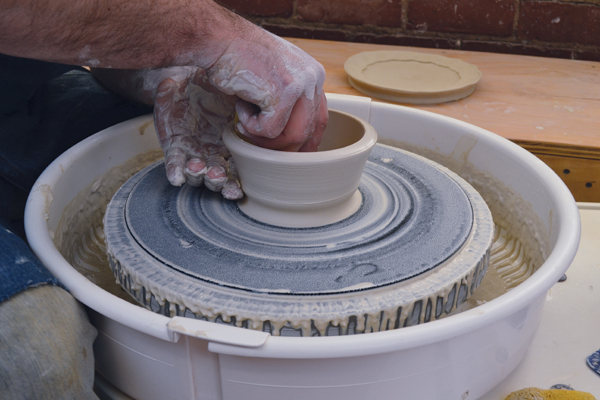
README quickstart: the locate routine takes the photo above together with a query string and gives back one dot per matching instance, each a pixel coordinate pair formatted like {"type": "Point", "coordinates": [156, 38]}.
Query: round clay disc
{"type": "Point", "coordinates": [411, 77]}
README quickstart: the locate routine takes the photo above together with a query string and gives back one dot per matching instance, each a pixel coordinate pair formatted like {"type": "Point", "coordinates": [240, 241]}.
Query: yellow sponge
{"type": "Point", "coordinates": [551, 394]}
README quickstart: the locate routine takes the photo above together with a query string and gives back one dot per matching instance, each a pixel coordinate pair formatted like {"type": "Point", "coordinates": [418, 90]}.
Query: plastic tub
{"type": "Point", "coordinates": [151, 356]}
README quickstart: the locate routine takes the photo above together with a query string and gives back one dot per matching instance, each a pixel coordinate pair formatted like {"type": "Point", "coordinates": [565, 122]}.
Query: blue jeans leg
{"type": "Point", "coordinates": [45, 336]}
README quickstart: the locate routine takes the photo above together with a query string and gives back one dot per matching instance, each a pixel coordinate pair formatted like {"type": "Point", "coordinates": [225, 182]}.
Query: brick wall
{"type": "Point", "coordinates": [564, 29]}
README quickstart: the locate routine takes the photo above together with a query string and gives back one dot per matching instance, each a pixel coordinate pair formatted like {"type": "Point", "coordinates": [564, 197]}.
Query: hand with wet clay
{"type": "Point", "coordinates": [190, 116]}
{"type": "Point", "coordinates": [177, 52]}
{"type": "Point", "coordinates": [279, 88]}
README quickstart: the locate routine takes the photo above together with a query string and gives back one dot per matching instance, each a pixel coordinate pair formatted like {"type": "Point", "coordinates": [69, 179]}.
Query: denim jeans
{"type": "Point", "coordinates": [45, 336]}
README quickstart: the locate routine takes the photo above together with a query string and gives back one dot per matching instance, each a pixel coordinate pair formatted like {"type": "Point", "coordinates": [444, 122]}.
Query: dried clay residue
{"type": "Point", "coordinates": [79, 235]}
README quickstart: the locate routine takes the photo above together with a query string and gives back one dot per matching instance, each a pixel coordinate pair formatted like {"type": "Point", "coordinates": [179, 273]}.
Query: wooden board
{"type": "Point", "coordinates": [549, 106]}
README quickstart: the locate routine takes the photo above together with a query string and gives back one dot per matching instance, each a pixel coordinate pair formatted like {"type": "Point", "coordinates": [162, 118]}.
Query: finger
{"type": "Point", "coordinates": [232, 190]}
{"type": "Point", "coordinates": [216, 175]}
{"type": "Point", "coordinates": [296, 87]}
{"type": "Point", "coordinates": [178, 150]}
{"type": "Point", "coordinates": [268, 121]}
{"type": "Point", "coordinates": [195, 170]}
{"type": "Point", "coordinates": [305, 116]}
{"type": "Point", "coordinates": [313, 143]}
{"type": "Point", "coordinates": [175, 159]}
{"type": "Point", "coordinates": [303, 121]}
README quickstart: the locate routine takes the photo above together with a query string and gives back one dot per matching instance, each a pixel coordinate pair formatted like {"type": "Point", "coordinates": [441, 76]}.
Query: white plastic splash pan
{"type": "Point", "coordinates": [150, 356]}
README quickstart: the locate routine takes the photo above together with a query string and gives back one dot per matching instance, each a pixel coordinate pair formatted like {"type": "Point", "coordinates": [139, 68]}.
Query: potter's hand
{"type": "Point", "coordinates": [190, 116]}
{"type": "Point", "coordinates": [285, 83]}
{"type": "Point", "coordinates": [280, 100]}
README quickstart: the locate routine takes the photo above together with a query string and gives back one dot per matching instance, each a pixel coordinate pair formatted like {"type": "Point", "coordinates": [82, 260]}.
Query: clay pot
{"type": "Point", "coordinates": [304, 189]}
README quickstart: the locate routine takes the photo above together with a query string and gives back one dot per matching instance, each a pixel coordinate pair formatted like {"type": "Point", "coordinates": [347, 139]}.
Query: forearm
{"type": "Point", "coordinates": [117, 33]}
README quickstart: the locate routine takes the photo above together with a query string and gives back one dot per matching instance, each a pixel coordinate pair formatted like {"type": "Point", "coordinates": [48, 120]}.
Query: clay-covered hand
{"type": "Point", "coordinates": [264, 71]}
{"type": "Point", "coordinates": [190, 116]}
{"type": "Point", "coordinates": [279, 91]}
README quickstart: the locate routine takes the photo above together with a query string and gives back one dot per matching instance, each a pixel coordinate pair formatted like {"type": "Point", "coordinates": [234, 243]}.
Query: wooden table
{"type": "Point", "coordinates": [549, 106]}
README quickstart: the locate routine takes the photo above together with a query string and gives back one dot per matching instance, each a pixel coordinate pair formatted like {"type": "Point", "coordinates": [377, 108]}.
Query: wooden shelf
{"type": "Point", "coordinates": [549, 106]}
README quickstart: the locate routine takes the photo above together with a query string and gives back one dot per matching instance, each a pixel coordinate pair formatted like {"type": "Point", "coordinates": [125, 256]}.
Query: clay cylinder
{"type": "Point", "coordinates": [304, 189]}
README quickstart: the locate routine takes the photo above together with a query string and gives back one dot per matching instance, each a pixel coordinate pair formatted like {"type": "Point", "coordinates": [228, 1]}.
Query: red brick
{"type": "Point", "coordinates": [260, 8]}
{"type": "Point", "coordinates": [484, 17]}
{"type": "Point", "coordinates": [386, 13]}
{"type": "Point", "coordinates": [410, 41]}
{"type": "Point", "coordinates": [515, 48]}
{"type": "Point", "coordinates": [560, 22]}
{"type": "Point", "coordinates": [306, 33]}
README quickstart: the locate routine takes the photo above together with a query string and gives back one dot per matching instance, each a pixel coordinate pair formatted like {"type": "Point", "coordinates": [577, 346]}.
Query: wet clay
{"type": "Point", "coordinates": [421, 261]}
{"type": "Point", "coordinates": [412, 219]}
{"type": "Point", "coordinates": [79, 235]}
{"type": "Point", "coordinates": [519, 246]}
{"type": "Point", "coordinates": [304, 189]}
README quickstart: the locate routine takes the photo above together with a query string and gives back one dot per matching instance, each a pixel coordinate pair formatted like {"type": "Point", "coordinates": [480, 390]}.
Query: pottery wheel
{"type": "Point", "coordinates": [188, 251]}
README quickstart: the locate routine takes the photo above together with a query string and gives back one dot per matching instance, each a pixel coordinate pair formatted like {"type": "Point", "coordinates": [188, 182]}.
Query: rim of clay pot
{"type": "Point", "coordinates": [328, 150]}
{"type": "Point", "coordinates": [304, 189]}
